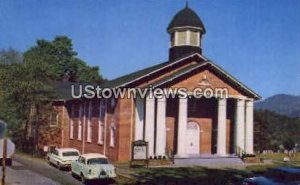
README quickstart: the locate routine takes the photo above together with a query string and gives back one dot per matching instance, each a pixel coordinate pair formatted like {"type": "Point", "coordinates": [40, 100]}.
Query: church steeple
{"type": "Point", "coordinates": [186, 30]}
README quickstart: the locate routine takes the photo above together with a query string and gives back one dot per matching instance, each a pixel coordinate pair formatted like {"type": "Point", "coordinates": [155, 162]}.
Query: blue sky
{"type": "Point", "coordinates": [256, 41]}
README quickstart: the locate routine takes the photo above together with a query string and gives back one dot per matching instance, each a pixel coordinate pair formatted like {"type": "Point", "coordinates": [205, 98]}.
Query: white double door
{"type": "Point", "coordinates": [192, 138]}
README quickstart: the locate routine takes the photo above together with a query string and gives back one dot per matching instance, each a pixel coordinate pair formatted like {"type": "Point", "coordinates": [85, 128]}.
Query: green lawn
{"type": "Point", "coordinates": [201, 175]}
{"type": "Point", "coordinates": [188, 176]}
{"type": "Point", "coordinates": [280, 156]}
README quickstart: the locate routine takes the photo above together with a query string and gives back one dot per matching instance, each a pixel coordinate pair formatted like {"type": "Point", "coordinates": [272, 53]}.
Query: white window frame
{"type": "Point", "coordinates": [89, 126]}
{"type": "Point", "coordinates": [72, 123]}
{"type": "Point", "coordinates": [101, 120]}
{"type": "Point", "coordinates": [80, 122]}
{"type": "Point", "coordinates": [56, 119]}
{"type": "Point", "coordinates": [112, 135]}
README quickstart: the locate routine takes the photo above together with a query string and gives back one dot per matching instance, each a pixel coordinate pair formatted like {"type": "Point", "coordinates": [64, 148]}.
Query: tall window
{"type": "Point", "coordinates": [89, 126]}
{"type": "Point", "coordinates": [112, 135]}
{"type": "Point", "coordinates": [101, 121]}
{"type": "Point", "coordinates": [54, 118]}
{"type": "Point", "coordinates": [80, 122]}
{"type": "Point", "coordinates": [72, 123]}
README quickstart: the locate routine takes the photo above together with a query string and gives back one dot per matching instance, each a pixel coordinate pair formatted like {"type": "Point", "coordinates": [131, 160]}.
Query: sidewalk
{"type": "Point", "coordinates": [19, 175]}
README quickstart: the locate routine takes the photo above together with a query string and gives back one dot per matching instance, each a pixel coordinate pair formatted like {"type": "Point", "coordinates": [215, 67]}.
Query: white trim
{"type": "Point", "coordinates": [175, 38]}
{"type": "Point", "coordinates": [222, 128]}
{"type": "Point", "coordinates": [199, 39]}
{"type": "Point", "coordinates": [139, 118]}
{"type": "Point", "coordinates": [79, 136]}
{"type": "Point", "coordinates": [72, 123]}
{"type": "Point", "coordinates": [112, 135]}
{"type": "Point", "coordinates": [171, 64]}
{"type": "Point", "coordinates": [83, 128]}
{"type": "Point", "coordinates": [188, 37]}
{"type": "Point", "coordinates": [63, 126]}
{"type": "Point", "coordinates": [184, 28]}
{"type": "Point", "coordinates": [89, 125]}
{"type": "Point", "coordinates": [171, 79]}
{"type": "Point", "coordinates": [105, 126]}
{"type": "Point", "coordinates": [234, 79]}
{"type": "Point", "coordinates": [102, 110]}
{"type": "Point", "coordinates": [220, 69]}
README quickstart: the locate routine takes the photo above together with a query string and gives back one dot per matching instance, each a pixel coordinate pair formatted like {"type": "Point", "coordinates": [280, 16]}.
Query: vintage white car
{"type": "Point", "coordinates": [63, 157]}
{"type": "Point", "coordinates": [93, 166]}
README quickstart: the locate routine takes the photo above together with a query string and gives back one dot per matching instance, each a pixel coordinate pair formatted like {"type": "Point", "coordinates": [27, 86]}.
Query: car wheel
{"type": "Point", "coordinates": [59, 166]}
{"type": "Point", "coordinates": [83, 180]}
{"type": "Point", "coordinates": [73, 174]}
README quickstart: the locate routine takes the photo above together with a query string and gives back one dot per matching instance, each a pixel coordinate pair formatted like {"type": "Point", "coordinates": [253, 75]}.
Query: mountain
{"type": "Point", "coordinates": [284, 104]}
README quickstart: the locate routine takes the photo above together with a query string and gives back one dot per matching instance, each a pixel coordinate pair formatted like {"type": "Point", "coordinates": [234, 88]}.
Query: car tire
{"type": "Point", "coordinates": [58, 166]}
{"type": "Point", "coordinates": [48, 160]}
{"type": "Point", "coordinates": [73, 174]}
{"type": "Point", "coordinates": [83, 179]}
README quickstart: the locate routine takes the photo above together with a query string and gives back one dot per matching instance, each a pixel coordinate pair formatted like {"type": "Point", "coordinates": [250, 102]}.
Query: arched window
{"type": "Point", "coordinates": [102, 110]}
{"type": "Point", "coordinates": [89, 126]}
{"type": "Point", "coordinates": [112, 134]}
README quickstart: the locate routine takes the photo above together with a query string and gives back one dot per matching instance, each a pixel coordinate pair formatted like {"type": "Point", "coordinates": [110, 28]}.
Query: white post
{"type": "Point", "coordinates": [149, 126]}
{"type": "Point", "coordinates": [240, 124]}
{"type": "Point", "coordinates": [182, 124]}
{"type": "Point", "coordinates": [249, 127]}
{"type": "Point", "coordinates": [221, 137]}
{"type": "Point", "coordinates": [161, 127]}
{"type": "Point", "coordinates": [139, 118]}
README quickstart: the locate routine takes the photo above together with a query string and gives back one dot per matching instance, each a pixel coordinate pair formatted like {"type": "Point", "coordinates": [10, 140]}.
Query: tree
{"type": "Point", "coordinates": [10, 56]}
{"type": "Point", "coordinates": [25, 85]}
{"type": "Point", "coordinates": [62, 61]}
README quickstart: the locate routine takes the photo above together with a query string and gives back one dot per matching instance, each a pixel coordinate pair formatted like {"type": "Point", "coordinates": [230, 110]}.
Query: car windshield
{"type": "Point", "coordinates": [98, 161]}
{"type": "Point", "coordinates": [70, 153]}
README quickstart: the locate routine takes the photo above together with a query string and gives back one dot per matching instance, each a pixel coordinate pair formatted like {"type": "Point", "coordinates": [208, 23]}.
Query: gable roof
{"type": "Point", "coordinates": [215, 67]}
{"type": "Point", "coordinates": [138, 75]}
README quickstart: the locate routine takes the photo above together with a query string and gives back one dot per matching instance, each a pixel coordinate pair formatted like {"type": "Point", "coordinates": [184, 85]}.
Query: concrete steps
{"type": "Point", "coordinates": [210, 161]}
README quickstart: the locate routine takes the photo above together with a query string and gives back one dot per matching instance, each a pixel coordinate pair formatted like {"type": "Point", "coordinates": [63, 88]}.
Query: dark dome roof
{"type": "Point", "coordinates": [186, 17]}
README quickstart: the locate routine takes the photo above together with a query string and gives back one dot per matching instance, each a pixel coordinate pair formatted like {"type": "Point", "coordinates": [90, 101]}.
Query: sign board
{"type": "Point", "coordinates": [139, 152]}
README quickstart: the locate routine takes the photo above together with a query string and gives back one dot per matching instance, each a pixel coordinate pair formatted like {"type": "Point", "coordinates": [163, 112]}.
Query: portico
{"type": "Point", "coordinates": [224, 127]}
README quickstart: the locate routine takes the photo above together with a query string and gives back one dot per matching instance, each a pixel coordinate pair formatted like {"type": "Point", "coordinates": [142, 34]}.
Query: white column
{"type": "Point", "coordinates": [161, 127]}
{"type": "Point", "coordinates": [249, 127]}
{"type": "Point", "coordinates": [221, 137]}
{"type": "Point", "coordinates": [182, 124]}
{"type": "Point", "coordinates": [139, 119]}
{"type": "Point", "coordinates": [149, 126]}
{"type": "Point", "coordinates": [240, 124]}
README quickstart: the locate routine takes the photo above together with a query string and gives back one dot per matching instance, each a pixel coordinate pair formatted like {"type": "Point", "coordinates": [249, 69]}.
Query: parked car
{"type": "Point", "coordinates": [63, 157]}
{"type": "Point", "coordinates": [276, 176]}
{"type": "Point", "coordinates": [93, 166]}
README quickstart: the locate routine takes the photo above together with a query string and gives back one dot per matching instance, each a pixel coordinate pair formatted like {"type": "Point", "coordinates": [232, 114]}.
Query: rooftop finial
{"type": "Point", "coordinates": [186, 3]}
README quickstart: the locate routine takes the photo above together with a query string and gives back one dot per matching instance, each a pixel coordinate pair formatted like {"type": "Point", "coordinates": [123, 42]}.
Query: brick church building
{"type": "Point", "coordinates": [187, 127]}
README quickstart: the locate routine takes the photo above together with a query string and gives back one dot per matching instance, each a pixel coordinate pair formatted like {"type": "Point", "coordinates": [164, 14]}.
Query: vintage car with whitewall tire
{"type": "Point", "coordinates": [93, 166]}
{"type": "Point", "coordinates": [62, 157]}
